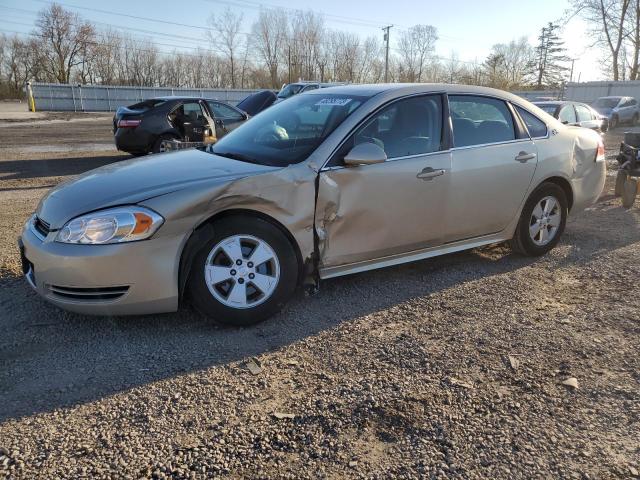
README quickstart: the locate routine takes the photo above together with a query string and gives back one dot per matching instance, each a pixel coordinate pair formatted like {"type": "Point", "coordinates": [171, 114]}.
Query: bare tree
{"type": "Point", "coordinates": [270, 35]}
{"type": "Point", "coordinates": [415, 46]}
{"type": "Point", "coordinates": [607, 19]}
{"type": "Point", "coordinates": [63, 36]}
{"type": "Point", "coordinates": [226, 36]}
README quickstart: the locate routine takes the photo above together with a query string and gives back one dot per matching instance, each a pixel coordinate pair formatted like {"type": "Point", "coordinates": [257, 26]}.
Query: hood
{"type": "Point", "coordinates": [139, 179]}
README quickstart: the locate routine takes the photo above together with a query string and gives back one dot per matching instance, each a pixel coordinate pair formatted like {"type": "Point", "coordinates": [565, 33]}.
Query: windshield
{"type": "Point", "coordinates": [288, 132]}
{"type": "Point", "coordinates": [289, 90]}
{"type": "Point", "coordinates": [606, 102]}
{"type": "Point", "coordinates": [547, 107]}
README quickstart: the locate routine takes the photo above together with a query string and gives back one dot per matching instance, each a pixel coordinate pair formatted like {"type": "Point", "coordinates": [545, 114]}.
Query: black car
{"type": "Point", "coordinates": [149, 125]}
{"type": "Point", "coordinates": [256, 102]}
{"type": "Point", "coordinates": [575, 113]}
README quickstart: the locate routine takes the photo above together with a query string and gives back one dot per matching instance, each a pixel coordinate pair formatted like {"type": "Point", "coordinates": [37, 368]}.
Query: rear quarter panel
{"type": "Point", "coordinates": [570, 153]}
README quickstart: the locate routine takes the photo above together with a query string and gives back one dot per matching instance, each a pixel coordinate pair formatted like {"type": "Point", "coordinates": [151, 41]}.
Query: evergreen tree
{"type": "Point", "coordinates": [550, 63]}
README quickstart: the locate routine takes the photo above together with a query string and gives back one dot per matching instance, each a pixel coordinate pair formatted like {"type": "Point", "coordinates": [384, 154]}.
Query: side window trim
{"type": "Point", "coordinates": [524, 124]}
{"type": "Point", "coordinates": [446, 142]}
{"type": "Point", "coordinates": [513, 117]}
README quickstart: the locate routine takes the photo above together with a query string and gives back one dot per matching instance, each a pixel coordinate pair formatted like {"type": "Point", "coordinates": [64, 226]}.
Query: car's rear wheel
{"type": "Point", "coordinates": [542, 221]}
{"type": "Point", "coordinates": [621, 177]}
{"type": "Point", "coordinates": [629, 192]}
{"type": "Point", "coordinates": [614, 122]}
{"type": "Point", "coordinates": [163, 142]}
{"type": "Point", "coordinates": [244, 272]}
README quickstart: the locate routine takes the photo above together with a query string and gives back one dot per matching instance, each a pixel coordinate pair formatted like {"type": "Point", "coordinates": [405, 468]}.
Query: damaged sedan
{"type": "Point", "coordinates": [328, 183]}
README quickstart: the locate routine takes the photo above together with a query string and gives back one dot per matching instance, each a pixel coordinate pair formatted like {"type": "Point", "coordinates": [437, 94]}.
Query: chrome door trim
{"type": "Point", "coordinates": [388, 160]}
{"type": "Point", "coordinates": [467, 147]}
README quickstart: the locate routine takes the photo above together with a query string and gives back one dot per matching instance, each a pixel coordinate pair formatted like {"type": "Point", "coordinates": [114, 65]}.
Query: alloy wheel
{"type": "Point", "coordinates": [242, 271]}
{"type": "Point", "coordinates": [545, 221]}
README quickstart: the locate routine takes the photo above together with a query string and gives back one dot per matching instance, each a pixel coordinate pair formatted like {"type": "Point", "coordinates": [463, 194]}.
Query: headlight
{"type": "Point", "coordinates": [114, 225]}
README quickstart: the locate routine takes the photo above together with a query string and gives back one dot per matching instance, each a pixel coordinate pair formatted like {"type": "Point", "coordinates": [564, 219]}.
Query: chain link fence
{"type": "Point", "coordinates": [107, 98]}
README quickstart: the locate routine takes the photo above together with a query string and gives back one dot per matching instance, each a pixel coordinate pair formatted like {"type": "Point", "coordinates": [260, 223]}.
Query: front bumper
{"type": "Point", "coordinates": [120, 279]}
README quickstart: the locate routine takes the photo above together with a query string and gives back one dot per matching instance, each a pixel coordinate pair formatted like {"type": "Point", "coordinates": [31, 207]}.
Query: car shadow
{"type": "Point", "coordinates": [55, 167]}
{"type": "Point", "coordinates": [53, 359]}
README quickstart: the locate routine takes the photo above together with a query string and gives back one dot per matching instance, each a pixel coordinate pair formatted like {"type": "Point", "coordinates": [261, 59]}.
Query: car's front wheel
{"type": "Point", "coordinates": [244, 272]}
{"type": "Point", "coordinates": [613, 123]}
{"type": "Point", "coordinates": [542, 221]}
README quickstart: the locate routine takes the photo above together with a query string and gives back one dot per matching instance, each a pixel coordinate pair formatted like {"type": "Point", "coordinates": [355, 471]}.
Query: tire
{"type": "Point", "coordinates": [629, 192]}
{"type": "Point", "coordinates": [524, 240]}
{"type": "Point", "coordinates": [216, 297]}
{"type": "Point", "coordinates": [613, 123]}
{"type": "Point", "coordinates": [621, 178]}
{"type": "Point", "coordinates": [138, 154]}
{"type": "Point", "coordinates": [157, 145]}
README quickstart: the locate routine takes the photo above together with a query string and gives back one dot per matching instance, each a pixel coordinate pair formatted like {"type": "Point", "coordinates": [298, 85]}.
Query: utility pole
{"type": "Point", "coordinates": [573, 61]}
{"type": "Point", "coordinates": [386, 55]}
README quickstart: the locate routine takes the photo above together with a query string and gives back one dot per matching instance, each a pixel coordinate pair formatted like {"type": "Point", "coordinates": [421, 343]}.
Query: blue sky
{"type": "Point", "coordinates": [467, 27]}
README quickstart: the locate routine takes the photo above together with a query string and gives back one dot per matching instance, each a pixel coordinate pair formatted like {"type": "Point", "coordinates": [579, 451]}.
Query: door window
{"type": "Point", "coordinates": [584, 114]}
{"type": "Point", "coordinates": [480, 120]}
{"type": "Point", "coordinates": [225, 112]}
{"type": "Point", "coordinates": [193, 111]}
{"type": "Point", "coordinates": [411, 126]}
{"type": "Point", "coordinates": [567, 114]}
{"type": "Point", "coordinates": [537, 128]}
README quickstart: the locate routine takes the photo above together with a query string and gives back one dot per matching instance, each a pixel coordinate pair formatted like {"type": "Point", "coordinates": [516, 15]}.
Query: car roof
{"type": "Point", "coordinates": [614, 96]}
{"type": "Point", "coordinates": [370, 90]}
{"type": "Point", "coordinates": [170, 98]}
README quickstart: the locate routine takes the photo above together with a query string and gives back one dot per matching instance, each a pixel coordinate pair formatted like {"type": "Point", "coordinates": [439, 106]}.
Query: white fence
{"type": "Point", "coordinates": [105, 98]}
{"type": "Point", "coordinates": [588, 92]}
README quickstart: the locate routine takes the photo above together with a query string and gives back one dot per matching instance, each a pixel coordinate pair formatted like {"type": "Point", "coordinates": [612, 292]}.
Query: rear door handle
{"type": "Point", "coordinates": [429, 173]}
{"type": "Point", "coordinates": [523, 157]}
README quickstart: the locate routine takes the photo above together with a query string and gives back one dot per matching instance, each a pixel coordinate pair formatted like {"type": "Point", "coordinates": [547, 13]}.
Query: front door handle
{"type": "Point", "coordinates": [523, 157]}
{"type": "Point", "coordinates": [429, 173]}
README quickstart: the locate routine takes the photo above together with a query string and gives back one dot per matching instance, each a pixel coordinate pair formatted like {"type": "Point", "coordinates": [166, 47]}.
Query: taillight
{"type": "Point", "coordinates": [128, 123]}
{"type": "Point", "coordinates": [600, 154]}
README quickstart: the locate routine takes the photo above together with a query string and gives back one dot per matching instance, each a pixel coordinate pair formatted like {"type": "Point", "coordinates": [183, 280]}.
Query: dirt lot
{"type": "Point", "coordinates": [450, 367]}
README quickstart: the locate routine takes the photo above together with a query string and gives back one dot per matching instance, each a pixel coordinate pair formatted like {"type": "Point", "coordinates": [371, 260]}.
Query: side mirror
{"type": "Point", "coordinates": [365, 154]}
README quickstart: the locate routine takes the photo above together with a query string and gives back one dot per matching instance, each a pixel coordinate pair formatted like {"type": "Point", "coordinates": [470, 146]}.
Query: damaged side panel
{"type": "Point", "coordinates": [285, 195]}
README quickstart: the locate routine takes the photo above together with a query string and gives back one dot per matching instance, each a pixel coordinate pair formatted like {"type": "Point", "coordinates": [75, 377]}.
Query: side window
{"type": "Point", "coordinates": [633, 102]}
{"type": "Point", "coordinates": [309, 87]}
{"type": "Point", "coordinates": [411, 126]}
{"type": "Point", "coordinates": [193, 111]}
{"type": "Point", "coordinates": [567, 114]}
{"type": "Point", "coordinates": [480, 120]}
{"type": "Point", "coordinates": [223, 111]}
{"type": "Point", "coordinates": [537, 128]}
{"type": "Point", "coordinates": [584, 114]}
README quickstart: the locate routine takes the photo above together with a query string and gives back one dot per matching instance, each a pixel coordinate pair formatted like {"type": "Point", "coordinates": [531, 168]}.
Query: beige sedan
{"type": "Point", "coordinates": [328, 183]}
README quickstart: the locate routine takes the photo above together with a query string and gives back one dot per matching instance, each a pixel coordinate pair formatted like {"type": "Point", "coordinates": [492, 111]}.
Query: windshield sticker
{"type": "Point", "coordinates": [339, 102]}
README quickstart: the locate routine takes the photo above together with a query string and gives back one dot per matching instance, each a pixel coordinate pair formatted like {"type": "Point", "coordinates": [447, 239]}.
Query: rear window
{"type": "Point", "coordinates": [549, 108]}
{"type": "Point", "coordinates": [147, 104]}
{"type": "Point", "coordinates": [536, 127]}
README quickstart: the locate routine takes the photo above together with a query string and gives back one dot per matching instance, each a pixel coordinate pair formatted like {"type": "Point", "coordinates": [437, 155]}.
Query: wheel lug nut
{"type": "Point", "coordinates": [232, 272]}
{"type": "Point", "coordinates": [238, 262]}
{"type": "Point", "coordinates": [250, 264]}
{"type": "Point", "coordinates": [252, 276]}
{"type": "Point", "coordinates": [241, 281]}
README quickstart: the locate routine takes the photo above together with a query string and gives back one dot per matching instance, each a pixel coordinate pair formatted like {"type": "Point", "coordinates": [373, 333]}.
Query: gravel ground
{"type": "Point", "coordinates": [446, 368]}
